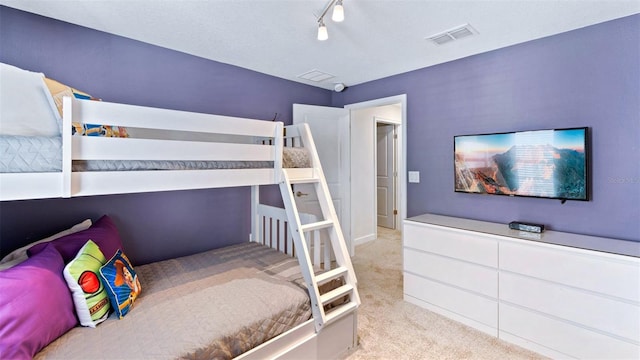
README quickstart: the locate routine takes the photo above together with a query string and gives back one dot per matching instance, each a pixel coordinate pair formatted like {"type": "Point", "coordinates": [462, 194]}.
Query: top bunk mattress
{"type": "Point", "coordinates": [30, 154]}
{"type": "Point", "coordinates": [34, 154]}
{"type": "Point", "coordinates": [213, 305]}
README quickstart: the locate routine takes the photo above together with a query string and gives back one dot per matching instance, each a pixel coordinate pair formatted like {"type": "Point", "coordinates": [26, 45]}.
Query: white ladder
{"type": "Point", "coordinates": [343, 269]}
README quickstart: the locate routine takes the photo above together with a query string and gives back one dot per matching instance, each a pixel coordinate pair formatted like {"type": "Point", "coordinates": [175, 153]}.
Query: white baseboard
{"type": "Point", "coordinates": [364, 239]}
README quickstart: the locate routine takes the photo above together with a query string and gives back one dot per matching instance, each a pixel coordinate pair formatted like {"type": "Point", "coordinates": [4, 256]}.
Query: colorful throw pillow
{"type": "Point", "coordinates": [89, 295]}
{"type": "Point", "coordinates": [98, 130]}
{"type": "Point", "coordinates": [58, 91]}
{"type": "Point", "coordinates": [17, 256]}
{"type": "Point", "coordinates": [24, 108]}
{"type": "Point", "coordinates": [35, 305]}
{"type": "Point", "coordinates": [103, 232]}
{"type": "Point", "coordinates": [121, 281]}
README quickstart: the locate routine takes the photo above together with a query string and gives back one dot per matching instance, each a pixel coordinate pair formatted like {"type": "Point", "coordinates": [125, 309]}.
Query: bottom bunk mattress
{"type": "Point", "coordinates": [213, 305]}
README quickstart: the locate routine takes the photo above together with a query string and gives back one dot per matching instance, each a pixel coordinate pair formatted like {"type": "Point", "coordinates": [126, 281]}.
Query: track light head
{"type": "Point", "coordinates": [322, 31]}
{"type": "Point", "coordinates": [338, 12]}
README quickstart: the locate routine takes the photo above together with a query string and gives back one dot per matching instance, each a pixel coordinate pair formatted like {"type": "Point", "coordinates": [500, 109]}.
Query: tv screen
{"type": "Point", "coordinates": [540, 163]}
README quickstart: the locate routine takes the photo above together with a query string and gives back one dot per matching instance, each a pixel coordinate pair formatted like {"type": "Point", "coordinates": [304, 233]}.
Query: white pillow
{"type": "Point", "coordinates": [24, 105]}
{"type": "Point", "coordinates": [17, 256]}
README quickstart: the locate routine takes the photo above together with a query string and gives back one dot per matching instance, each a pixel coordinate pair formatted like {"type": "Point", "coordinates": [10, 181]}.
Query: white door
{"type": "Point", "coordinates": [330, 130]}
{"type": "Point", "coordinates": [385, 169]}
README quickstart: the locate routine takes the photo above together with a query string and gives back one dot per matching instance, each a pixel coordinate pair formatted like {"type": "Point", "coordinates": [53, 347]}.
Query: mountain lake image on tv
{"type": "Point", "coordinates": [540, 163]}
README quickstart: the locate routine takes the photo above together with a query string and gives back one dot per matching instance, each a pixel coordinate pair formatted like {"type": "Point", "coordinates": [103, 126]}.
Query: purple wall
{"type": "Point", "coordinates": [587, 77]}
{"type": "Point", "coordinates": [159, 225]}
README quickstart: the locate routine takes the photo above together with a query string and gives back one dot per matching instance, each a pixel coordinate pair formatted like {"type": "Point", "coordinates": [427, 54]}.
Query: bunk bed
{"type": "Point", "coordinates": [236, 152]}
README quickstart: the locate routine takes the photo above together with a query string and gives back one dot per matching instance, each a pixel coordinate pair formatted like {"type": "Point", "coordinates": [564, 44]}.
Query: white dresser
{"type": "Point", "coordinates": [559, 294]}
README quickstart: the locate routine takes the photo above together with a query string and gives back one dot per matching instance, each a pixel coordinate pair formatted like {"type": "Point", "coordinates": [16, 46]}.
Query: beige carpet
{"type": "Point", "coordinates": [390, 328]}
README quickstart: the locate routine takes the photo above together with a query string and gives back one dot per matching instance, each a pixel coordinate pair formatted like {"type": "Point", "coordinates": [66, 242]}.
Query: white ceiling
{"type": "Point", "coordinates": [378, 38]}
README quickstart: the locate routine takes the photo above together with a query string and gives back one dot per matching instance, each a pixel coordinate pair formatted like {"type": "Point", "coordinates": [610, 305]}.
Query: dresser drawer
{"type": "Point", "coordinates": [606, 274]}
{"type": "Point", "coordinates": [606, 314]}
{"type": "Point", "coordinates": [475, 278]}
{"type": "Point", "coordinates": [563, 337]}
{"type": "Point", "coordinates": [469, 305]}
{"type": "Point", "coordinates": [460, 244]}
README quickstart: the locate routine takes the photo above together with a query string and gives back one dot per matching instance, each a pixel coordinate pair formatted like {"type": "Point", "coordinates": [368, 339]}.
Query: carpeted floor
{"type": "Point", "coordinates": [390, 328]}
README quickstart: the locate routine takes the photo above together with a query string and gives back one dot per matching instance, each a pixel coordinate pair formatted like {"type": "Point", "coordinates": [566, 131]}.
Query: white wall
{"type": "Point", "coordinates": [363, 177]}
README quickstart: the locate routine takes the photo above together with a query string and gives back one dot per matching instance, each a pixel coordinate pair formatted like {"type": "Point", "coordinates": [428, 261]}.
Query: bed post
{"type": "Point", "coordinates": [278, 139]}
{"type": "Point", "coordinates": [67, 106]}
{"type": "Point", "coordinates": [255, 218]}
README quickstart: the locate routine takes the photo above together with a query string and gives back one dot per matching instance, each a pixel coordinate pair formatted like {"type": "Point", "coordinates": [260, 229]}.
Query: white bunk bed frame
{"type": "Point", "coordinates": [329, 333]}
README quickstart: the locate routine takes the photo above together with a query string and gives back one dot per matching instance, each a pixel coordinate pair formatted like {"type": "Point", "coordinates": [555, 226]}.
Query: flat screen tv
{"type": "Point", "coordinates": [541, 163]}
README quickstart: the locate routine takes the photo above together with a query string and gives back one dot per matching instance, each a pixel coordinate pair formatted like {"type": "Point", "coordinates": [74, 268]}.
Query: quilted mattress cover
{"type": "Point", "coordinates": [213, 305]}
{"type": "Point", "coordinates": [21, 154]}
{"type": "Point", "coordinates": [30, 154]}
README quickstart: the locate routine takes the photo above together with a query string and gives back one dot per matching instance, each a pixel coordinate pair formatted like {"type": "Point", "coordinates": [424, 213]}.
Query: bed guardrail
{"type": "Point", "coordinates": [273, 231]}
{"type": "Point", "coordinates": [131, 116]}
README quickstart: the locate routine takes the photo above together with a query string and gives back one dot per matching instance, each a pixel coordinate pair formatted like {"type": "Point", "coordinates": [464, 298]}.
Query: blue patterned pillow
{"type": "Point", "coordinates": [121, 282]}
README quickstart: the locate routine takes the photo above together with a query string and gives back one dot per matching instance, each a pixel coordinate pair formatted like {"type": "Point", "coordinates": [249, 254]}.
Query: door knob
{"type": "Point", "coordinates": [300, 193]}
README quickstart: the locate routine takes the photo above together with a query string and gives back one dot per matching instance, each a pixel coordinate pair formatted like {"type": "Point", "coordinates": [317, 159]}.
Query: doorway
{"type": "Point", "coordinates": [364, 121]}
{"type": "Point", "coordinates": [355, 189]}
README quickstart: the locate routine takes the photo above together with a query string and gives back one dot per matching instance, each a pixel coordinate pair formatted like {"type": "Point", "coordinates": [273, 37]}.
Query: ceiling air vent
{"type": "Point", "coordinates": [457, 33]}
{"type": "Point", "coordinates": [315, 76]}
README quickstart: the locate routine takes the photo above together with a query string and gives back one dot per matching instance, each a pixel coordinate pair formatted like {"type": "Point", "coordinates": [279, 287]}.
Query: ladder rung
{"type": "Point", "coordinates": [331, 274]}
{"type": "Point", "coordinates": [296, 177]}
{"type": "Point", "coordinates": [304, 180]}
{"type": "Point", "coordinates": [336, 313]}
{"type": "Point", "coordinates": [335, 293]}
{"type": "Point", "coordinates": [316, 225]}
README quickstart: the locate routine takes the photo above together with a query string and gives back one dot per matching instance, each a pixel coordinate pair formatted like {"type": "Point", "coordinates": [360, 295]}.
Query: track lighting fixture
{"type": "Point", "coordinates": [337, 16]}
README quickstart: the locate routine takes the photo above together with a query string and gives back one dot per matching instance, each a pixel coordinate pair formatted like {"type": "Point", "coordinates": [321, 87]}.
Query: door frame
{"type": "Point", "coordinates": [402, 133]}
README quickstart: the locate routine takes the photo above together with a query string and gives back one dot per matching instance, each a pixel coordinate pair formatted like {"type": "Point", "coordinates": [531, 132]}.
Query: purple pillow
{"type": "Point", "coordinates": [103, 232]}
{"type": "Point", "coordinates": [35, 305]}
